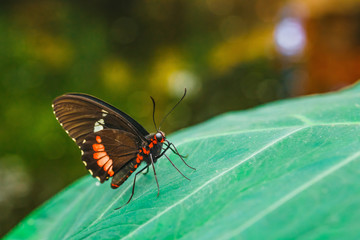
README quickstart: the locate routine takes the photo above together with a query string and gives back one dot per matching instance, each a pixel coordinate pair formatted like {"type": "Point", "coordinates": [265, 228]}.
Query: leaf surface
{"type": "Point", "coordinates": [289, 169]}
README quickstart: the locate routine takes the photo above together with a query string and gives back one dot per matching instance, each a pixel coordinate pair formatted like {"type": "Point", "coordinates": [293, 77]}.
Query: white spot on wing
{"type": "Point", "coordinates": [84, 141]}
{"type": "Point", "coordinates": [99, 125]}
{"type": "Point", "coordinates": [90, 172]}
{"type": "Point", "coordinates": [73, 139]}
{"type": "Point", "coordinates": [104, 112]}
{"type": "Point", "coordinates": [82, 153]}
{"type": "Point", "coordinates": [84, 163]}
{"type": "Point", "coordinates": [98, 178]}
{"type": "Point", "coordinates": [98, 128]}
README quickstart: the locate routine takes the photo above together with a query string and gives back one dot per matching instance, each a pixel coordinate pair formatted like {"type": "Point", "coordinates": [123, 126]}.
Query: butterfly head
{"type": "Point", "coordinates": [160, 136]}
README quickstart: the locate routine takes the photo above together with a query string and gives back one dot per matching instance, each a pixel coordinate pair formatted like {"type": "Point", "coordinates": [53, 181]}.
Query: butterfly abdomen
{"type": "Point", "coordinates": [124, 173]}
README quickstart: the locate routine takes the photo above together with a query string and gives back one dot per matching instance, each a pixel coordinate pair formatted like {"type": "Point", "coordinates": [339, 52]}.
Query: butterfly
{"type": "Point", "coordinates": [113, 145]}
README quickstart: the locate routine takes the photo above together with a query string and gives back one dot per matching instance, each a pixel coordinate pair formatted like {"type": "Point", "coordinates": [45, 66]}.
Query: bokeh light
{"type": "Point", "coordinates": [182, 79]}
{"type": "Point", "coordinates": [290, 36]}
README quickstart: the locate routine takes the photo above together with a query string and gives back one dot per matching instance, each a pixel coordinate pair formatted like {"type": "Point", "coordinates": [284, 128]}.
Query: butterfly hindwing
{"type": "Point", "coordinates": [81, 115]}
{"type": "Point", "coordinates": [124, 173]}
{"type": "Point", "coordinates": [107, 151]}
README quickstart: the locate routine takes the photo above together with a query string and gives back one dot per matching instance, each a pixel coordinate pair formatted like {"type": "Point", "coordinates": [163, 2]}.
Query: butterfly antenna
{"type": "Point", "coordinates": [172, 109]}
{"type": "Point", "coordinates": [152, 99]}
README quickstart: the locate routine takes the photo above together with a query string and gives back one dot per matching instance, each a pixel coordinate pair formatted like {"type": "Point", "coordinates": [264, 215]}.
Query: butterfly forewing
{"type": "Point", "coordinates": [105, 152]}
{"type": "Point", "coordinates": [81, 114]}
{"type": "Point", "coordinates": [109, 139]}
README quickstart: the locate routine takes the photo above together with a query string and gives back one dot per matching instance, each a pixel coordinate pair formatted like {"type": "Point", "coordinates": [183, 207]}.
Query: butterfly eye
{"type": "Point", "coordinates": [159, 137]}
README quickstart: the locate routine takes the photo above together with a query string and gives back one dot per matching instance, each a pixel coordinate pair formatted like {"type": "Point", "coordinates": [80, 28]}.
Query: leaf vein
{"type": "Point", "coordinates": [291, 195]}
{"type": "Point", "coordinates": [211, 180]}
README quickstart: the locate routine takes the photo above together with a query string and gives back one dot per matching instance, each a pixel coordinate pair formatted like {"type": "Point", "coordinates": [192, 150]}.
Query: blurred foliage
{"type": "Point", "coordinates": [122, 52]}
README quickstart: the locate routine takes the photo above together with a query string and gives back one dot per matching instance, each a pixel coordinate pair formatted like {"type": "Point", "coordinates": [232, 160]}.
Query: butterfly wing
{"type": "Point", "coordinates": [107, 137]}
{"type": "Point", "coordinates": [81, 114]}
{"type": "Point", "coordinates": [107, 151]}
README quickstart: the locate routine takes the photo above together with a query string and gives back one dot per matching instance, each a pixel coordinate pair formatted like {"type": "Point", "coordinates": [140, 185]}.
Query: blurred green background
{"type": "Point", "coordinates": [229, 54]}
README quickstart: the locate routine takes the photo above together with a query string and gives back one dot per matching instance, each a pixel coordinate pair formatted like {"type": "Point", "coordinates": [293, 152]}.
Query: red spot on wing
{"type": "Point", "coordinates": [114, 185]}
{"type": "Point", "coordinates": [99, 155]}
{"type": "Point", "coordinates": [111, 172]}
{"type": "Point", "coordinates": [135, 166]}
{"type": "Point", "coordinates": [107, 165]}
{"type": "Point", "coordinates": [98, 139]}
{"type": "Point", "coordinates": [151, 145]}
{"type": "Point", "coordinates": [98, 147]}
{"type": "Point", "coordinates": [102, 161]}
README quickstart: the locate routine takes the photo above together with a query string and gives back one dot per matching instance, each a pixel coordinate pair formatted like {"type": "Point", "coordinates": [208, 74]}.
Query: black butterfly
{"type": "Point", "coordinates": [112, 143]}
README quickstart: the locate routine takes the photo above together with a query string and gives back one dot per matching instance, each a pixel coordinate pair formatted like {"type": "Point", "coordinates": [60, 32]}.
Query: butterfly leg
{"type": "Point", "coordinates": [152, 164]}
{"type": "Point", "coordinates": [176, 167]}
{"type": "Point", "coordinates": [177, 153]}
{"type": "Point", "coordinates": [164, 150]}
{"type": "Point", "coordinates": [133, 188]}
{"type": "Point", "coordinates": [168, 146]}
{"type": "Point", "coordinates": [183, 156]}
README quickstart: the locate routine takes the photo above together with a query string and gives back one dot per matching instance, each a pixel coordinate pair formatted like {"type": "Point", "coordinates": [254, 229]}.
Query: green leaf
{"type": "Point", "coordinates": [290, 169]}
